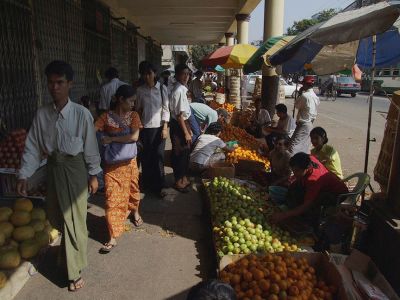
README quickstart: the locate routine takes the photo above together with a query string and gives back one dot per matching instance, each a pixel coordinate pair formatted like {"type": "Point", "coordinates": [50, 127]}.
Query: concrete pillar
{"type": "Point", "coordinates": [242, 21]}
{"type": "Point", "coordinates": [273, 26]}
{"type": "Point", "coordinates": [230, 40]}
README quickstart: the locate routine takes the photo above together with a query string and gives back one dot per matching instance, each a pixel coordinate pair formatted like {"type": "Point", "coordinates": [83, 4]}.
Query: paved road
{"type": "Point", "coordinates": [345, 121]}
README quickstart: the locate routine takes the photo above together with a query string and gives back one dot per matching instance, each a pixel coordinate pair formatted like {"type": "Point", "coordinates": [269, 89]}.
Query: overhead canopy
{"type": "Point", "coordinates": [326, 48]}
{"type": "Point", "coordinates": [177, 22]}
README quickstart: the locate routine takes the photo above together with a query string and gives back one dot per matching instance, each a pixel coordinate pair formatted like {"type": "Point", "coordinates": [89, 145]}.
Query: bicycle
{"type": "Point", "coordinates": [331, 94]}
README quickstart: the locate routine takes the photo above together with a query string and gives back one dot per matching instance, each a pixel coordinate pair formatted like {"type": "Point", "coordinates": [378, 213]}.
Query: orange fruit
{"type": "Point", "coordinates": [274, 289]}
{"type": "Point", "coordinates": [293, 290]}
{"type": "Point", "coordinates": [264, 285]}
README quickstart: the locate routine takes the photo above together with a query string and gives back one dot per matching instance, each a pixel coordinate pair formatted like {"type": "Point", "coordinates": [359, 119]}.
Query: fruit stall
{"type": "Point", "coordinates": [25, 232]}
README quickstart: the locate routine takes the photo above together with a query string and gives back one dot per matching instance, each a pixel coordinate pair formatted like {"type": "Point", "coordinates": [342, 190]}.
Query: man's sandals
{"type": "Point", "coordinates": [75, 285]}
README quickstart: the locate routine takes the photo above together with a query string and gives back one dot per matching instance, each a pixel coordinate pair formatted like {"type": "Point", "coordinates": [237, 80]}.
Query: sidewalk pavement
{"type": "Point", "coordinates": [162, 259]}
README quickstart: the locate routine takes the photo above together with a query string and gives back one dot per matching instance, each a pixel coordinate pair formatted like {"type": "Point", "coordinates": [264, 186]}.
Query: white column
{"type": "Point", "coordinates": [230, 41]}
{"type": "Point", "coordinates": [242, 21]}
{"type": "Point", "coordinates": [273, 26]}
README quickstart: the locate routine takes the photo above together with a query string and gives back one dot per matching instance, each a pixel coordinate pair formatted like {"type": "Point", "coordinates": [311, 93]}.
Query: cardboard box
{"type": "Point", "coordinates": [360, 266]}
{"type": "Point", "coordinates": [319, 261]}
{"type": "Point", "coordinates": [223, 169]}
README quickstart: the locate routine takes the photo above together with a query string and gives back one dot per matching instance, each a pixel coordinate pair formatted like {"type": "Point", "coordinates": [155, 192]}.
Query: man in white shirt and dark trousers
{"type": "Point", "coordinates": [306, 104]}
{"type": "Point", "coordinates": [64, 131]}
{"type": "Point", "coordinates": [107, 91]}
{"type": "Point", "coordinates": [196, 88]}
{"type": "Point", "coordinates": [152, 104]}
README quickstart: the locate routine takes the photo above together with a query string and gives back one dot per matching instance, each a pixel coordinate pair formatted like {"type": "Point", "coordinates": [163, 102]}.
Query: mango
{"type": "Point", "coordinates": [23, 204]}
{"type": "Point", "coordinates": [5, 213]}
{"type": "Point", "coordinates": [23, 233]}
{"type": "Point", "coordinates": [38, 214]}
{"type": "Point", "coordinates": [20, 218]}
{"type": "Point", "coordinates": [6, 228]}
{"type": "Point", "coordinates": [3, 280]}
{"type": "Point", "coordinates": [29, 248]}
{"type": "Point", "coordinates": [43, 238]}
{"type": "Point", "coordinates": [37, 225]}
{"type": "Point", "coordinates": [10, 259]}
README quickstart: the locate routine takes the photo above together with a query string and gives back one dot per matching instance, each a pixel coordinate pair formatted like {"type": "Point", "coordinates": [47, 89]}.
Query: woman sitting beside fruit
{"type": "Point", "coordinates": [207, 149]}
{"type": "Point", "coordinates": [314, 186]}
{"type": "Point", "coordinates": [325, 153]}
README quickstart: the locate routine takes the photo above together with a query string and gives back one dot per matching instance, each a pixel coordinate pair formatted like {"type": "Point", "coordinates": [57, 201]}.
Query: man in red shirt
{"type": "Point", "coordinates": [318, 187]}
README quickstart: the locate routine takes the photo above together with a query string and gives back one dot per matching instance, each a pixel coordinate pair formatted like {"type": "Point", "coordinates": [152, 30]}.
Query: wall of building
{"type": "Point", "coordinates": [83, 33]}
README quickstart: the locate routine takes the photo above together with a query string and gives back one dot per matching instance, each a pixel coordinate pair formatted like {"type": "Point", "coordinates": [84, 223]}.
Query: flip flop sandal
{"type": "Point", "coordinates": [138, 222]}
{"type": "Point", "coordinates": [76, 285]}
{"type": "Point", "coordinates": [107, 248]}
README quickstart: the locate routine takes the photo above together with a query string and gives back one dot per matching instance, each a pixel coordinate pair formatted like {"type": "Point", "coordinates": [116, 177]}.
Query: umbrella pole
{"type": "Point", "coordinates": [371, 97]}
{"type": "Point", "coordinates": [295, 96]}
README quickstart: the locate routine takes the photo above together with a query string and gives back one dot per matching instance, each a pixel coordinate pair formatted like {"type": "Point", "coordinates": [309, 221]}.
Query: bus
{"type": "Point", "coordinates": [387, 80]}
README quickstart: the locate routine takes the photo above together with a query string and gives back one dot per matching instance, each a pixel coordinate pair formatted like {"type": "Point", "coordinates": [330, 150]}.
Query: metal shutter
{"type": "Point", "coordinates": [18, 100]}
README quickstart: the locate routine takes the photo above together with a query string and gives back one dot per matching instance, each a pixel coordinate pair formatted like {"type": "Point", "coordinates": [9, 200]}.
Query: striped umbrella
{"type": "Point", "coordinates": [229, 56]}
{"type": "Point", "coordinates": [270, 46]}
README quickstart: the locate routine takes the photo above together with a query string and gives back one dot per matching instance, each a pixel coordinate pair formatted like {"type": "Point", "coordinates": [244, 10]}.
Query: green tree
{"type": "Point", "coordinates": [302, 25]}
{"type": "Point", "coordinates": [257, 43]}
{"type": "Point", "coordinates": [198, 52]}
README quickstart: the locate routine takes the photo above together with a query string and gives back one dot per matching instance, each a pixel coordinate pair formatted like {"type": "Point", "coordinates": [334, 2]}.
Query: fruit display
{"type": "Point", "coordinates": [233, 133]}
{"type": "Point", "coordinates": [11, 149]}
{"type": "Point", "coordinates": [24, 231]}
{"type": "Point", "coordinates": [227, 106]}
{"type": "Point", "coordinates": [242, 153]}
{"type": "Point", "coordinates": [242, 119]}
{"type": "Point", "coordinates": [240, 220]}
{"type": "Point", "coordinates": [274, 277]}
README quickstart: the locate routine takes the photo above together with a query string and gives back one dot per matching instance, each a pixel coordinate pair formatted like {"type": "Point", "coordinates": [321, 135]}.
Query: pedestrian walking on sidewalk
{"type": "Point", "coordinates": [64, 131]}
{"type": "Point", "coordinates": [120, 127]}
{"type": "Point", "coordinates": [306, 104]}
{"type": "Point", "coordinates": [107, 91]}
{"type": "Point", "coordinates": [152, 104]}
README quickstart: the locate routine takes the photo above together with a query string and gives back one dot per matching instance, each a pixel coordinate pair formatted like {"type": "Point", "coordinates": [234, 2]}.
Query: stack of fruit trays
{"type": "Point", "coordinates": [240, 220]}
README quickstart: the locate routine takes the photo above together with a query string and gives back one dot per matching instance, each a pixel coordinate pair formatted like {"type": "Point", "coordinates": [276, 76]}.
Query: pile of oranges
{"type": "Point", "coordinates": [246, 154]}
{"type": "Point", "coordinates": [227, 106]}
{"type": "Point", "coordinates": [233, 133]}
{"type": "Point", "coordinates": [274, 277]}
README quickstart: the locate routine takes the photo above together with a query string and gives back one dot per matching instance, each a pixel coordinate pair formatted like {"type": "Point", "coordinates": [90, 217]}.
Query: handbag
{"type": "Point", "coordinates": [119, 152]}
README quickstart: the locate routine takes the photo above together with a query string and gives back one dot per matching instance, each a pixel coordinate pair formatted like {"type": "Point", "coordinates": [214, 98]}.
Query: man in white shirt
{"type": "Point", "coordinates": [107, 91]}
{"type": "Point", "coordinates": [152, 104]}
{"type": "Point", "coordinates": [306, 104]}
{"type": "Point", "coordinates": [64, 132]}
{"type": "Point", "coordinates": [260, 119]}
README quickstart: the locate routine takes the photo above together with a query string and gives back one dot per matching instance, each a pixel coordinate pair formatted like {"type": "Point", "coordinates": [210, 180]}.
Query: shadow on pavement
{"type": "Point", "coordinates": [49, 269]}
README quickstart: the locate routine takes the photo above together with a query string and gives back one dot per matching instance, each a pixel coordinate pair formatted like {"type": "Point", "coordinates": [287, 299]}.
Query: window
{"type": "Point", "coordinates": [386, 72]}
{"type": "Point", "coordinates": [396, 72]}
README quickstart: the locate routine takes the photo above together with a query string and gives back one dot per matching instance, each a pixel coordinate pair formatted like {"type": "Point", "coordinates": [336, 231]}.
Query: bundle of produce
{"type": "Point", "coordinates": [11, 149]}
{"type": "Point", "coordinates": [24, 231]}
{"type": "Point", "coordinates": [233, 133]}
{"type": "Point", "coordinates": [240, 221]}
{"type": "Point", "coordinates": [227, 106]}
{"type": "Point", "coordinates": [274, 277]}
{"type": "Point", "coordinates": [242, 153]}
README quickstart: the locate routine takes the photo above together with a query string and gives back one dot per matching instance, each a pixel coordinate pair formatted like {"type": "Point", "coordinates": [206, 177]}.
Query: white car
{"type": "Point", "coordinates": [290, 89]}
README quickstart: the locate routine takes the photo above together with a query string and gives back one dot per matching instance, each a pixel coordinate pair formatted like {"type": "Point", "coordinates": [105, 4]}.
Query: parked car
{"type": "Point", "coordinates": [347, 85]}
{"type": "Point", "coordinates": [290, 89]}
{"type": "Point", "coordinates": [251, 82]}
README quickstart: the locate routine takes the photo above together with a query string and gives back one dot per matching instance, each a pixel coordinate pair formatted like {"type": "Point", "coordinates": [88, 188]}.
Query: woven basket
{"type": "Point", "coordinates": [382, 168]}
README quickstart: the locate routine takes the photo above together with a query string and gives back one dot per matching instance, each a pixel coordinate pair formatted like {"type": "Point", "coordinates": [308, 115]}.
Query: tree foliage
{"type": "Point", "coordinates": [257, 43]}
{"type": "Point", "coordinates": [198, 52]}
{"type": "Point", "coordinates": [302, 25]}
